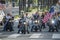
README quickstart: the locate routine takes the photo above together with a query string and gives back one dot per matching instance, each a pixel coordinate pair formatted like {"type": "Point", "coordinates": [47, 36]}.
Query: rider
{"type": "Point", "coordinates": [8, 17]}
{"type": "Point", "coordinates": [36, 16]}
{"type": "Point", "coordinates": [27, 21]}
{"type": "Point", "coordinates": [43, 24]}
{"type": "Point", "coordinates": [53, 24]}
{"type": "Point", "coordinates": [20, 25]}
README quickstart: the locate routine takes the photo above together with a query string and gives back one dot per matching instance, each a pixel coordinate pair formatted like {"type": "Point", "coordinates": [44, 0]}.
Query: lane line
{"type": "Point", "coordinates": [35, 35]}
{"type": "Point", "coordinates": [0, 39]}
{"type": "Point", "coordinates": [14, 35]}
{"type": "Point", "coordinates": [57, 36]}
{"type": "Point", "coordinates": [0, 33]}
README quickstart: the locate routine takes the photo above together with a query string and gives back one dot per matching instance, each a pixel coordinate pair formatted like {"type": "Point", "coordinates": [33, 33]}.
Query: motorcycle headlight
{"type": "Point", "coordinates": [36, 21]}
{"type": "Point", "coordinates": [24, 22]}
{"type": "Point", "coordinates": [53, 21]}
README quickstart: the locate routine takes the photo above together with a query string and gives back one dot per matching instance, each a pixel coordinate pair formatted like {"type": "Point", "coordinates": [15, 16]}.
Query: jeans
{"type": "Point", "coordinates": [20, 28]}
{"type": "Point", "coordinates": [4, 29]}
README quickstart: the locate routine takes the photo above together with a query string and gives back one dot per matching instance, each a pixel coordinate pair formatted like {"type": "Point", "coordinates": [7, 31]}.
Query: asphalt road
{"type": "Point", "coordinates": [31, 36]}
{"type": "Point", "coordinates": [44, 35]}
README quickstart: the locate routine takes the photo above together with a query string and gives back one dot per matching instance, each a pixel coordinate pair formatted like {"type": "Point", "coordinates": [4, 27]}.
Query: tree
{"type": "Point", "coordinates": [55, 1]}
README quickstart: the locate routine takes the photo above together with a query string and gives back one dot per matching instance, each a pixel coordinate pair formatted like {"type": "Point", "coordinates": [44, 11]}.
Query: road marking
{"type": "Point", "coordinates": [35, 35]}
{"type": "Point", "coordinates": [0, 33]}
{"type": "Point", "coordinates": [56, 36]}
{"type": "Point", "coordinates": [14, 36]}
{"type": "Point", "coordinates": [0, 39]}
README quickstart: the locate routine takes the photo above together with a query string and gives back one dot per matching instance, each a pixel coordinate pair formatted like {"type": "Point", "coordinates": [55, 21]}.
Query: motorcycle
{"type": "Point", "coordinates": [36, 26]}
{"type": "Point", "coordinates": [24, 28]}
{"type": "Point", "coordinates": [53, 26]}
{"type": "Point", "coordinates": [9, 25]}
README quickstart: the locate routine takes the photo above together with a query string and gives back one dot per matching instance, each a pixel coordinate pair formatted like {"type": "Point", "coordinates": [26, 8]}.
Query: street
{"type": "Point", "coordinates": [44, 35]}
{"type": "Point", "coordinates": [42, 15]}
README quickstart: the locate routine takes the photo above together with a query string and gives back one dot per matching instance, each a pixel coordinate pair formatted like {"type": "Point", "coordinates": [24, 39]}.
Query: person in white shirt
{"type": "Point", "coordinates": [8, 18]}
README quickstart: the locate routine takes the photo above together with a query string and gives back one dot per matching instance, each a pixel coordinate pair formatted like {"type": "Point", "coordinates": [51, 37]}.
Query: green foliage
{"type": "Point", "coordinates": [35, 1]}
{"type": "Point", "coordinates": [16, 16]}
